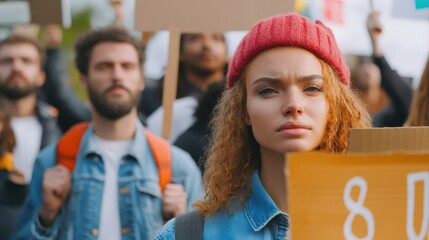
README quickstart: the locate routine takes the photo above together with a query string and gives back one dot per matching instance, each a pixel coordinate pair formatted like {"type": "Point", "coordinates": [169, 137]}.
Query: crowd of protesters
{"type": "Point", "coordinates": [71, 169]}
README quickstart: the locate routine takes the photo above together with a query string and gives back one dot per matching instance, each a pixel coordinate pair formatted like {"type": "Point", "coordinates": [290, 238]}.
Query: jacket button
{"type": "Point", "coordinates": [125, 230]}
{"type": "Point", "coordinates": [124, 190]}
{"type": "Point", "coordinates": [94, 232]}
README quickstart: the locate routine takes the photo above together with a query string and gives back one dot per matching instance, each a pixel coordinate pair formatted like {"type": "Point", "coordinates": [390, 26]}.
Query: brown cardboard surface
{"type": "Point", "coordinates": [170, 82]}
{"type": "Point", "coordinates": [46, 11]}
{"type": "Point", "coordinates": [374, 140]}
{"type": "Point", "coordinates": [384, 202]}
{"type": "Point", "coordinates": [206, 15]}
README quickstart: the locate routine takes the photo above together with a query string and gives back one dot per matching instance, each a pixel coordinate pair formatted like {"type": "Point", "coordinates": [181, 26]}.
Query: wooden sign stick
{"type": "Point", "coordinates": [170, 82]}
{"type": "Point", "coordinates": [146, 37]}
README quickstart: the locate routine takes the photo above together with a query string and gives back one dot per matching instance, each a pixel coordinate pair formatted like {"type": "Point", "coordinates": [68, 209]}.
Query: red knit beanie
{"type": "Point", "coordinates": [288, 30]}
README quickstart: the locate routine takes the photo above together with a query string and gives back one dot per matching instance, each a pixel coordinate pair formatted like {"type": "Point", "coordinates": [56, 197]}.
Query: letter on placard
{"type": "Point", "coordinates": [412, 179]}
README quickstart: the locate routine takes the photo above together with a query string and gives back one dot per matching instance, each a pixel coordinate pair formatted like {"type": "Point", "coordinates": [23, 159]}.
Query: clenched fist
{"type": "Point", "coordinates": [118, 8]}
{"type": "Point", "coordinates": [374, 25]}
{"type": "Point", "coordinates": [173, 201]}
{"type": "Point", "coordinates": [56, 188]}
{"type": "Point", "coordinates": [53, 36]}
{"type": "Point", "coordinates": [375, 28]}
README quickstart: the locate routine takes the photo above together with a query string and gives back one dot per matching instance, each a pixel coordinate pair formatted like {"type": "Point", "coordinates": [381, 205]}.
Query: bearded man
{"type": "Point", "coordinates": [114, 190]}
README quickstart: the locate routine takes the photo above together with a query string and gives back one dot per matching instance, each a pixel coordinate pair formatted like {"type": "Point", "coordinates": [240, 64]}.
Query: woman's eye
{"type": "Point", "coordinates": [313, 88]}
{"type": "Point", "coordinates": [266, 91]}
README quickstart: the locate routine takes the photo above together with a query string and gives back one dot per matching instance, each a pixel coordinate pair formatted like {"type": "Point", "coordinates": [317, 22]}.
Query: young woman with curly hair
{"type": "Point", "coordinates": [287, 91]}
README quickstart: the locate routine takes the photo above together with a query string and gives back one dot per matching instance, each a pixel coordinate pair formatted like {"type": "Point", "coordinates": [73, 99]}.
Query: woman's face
{"type": "Point", "coordinates": [286, 102]}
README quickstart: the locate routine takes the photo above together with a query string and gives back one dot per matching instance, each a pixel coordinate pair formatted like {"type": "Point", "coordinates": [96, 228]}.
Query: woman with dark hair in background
{"type": "Point", "coordinates": [195, 140]}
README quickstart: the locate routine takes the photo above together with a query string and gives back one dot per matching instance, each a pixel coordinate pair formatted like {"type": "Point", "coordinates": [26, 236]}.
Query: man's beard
{"type": "Point", "coordinates": [201, 71]}
{"type": "Point", "coordinates": [112, 109]}
{"type": "Point", "coordinates": [16, 92]}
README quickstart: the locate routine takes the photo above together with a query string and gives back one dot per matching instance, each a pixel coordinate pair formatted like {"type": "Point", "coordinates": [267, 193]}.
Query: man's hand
{"type": "Point", "coordinates": [56, 188]}
{"type": "Point", "coordinates": [118, 8]}
{"type": "Point", "coordinates": [28, 30]}
{"type": "Point", "coordinates": [17, 177]}
{"type": "Point", "coordinates": [173, 201]}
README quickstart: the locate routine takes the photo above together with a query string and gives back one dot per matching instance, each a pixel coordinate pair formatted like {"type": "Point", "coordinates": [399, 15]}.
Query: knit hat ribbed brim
{"type": "Point", "coordinates": [288, 30]}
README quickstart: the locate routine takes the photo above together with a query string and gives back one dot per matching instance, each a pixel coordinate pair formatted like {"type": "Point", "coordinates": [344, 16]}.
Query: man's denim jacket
{"type": "Point", "coordinates": [258, 218]}
{"type": "Point", "coordinates": [138, 188]}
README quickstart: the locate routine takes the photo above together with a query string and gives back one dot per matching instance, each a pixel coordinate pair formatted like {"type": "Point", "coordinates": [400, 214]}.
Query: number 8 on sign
{"type": "Point", "coordinates": [357, 209]}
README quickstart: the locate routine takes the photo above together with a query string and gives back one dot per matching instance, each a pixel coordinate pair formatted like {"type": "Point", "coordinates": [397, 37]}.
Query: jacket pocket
{"type": "Point", "coordinates": [75, 195]}
{"type": "Point", "coordinates": [150, 188]}
{"type": "Point", "coordinates": [150, 201]}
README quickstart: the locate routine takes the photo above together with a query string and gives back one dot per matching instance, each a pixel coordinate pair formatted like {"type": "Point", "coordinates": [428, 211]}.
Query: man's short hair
{"type": "Point", "coordinates": [86, 43]}
{"type": "Point", "coordinates": [21, 39]}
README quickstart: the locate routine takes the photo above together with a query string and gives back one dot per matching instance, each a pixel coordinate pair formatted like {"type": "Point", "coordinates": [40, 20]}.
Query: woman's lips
{"type": "Point", "coordinates": [293, 128]}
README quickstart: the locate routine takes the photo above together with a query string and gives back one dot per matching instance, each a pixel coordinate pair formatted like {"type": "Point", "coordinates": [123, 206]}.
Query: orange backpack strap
{"type": "Point", "coordinates": [68, 146]}
{"type": "Point", "coordinates": [161, 151]}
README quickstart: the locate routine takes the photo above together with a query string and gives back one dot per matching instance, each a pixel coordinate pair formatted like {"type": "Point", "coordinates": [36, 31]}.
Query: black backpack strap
{"type": "Point", "coordinates": [189, 226]}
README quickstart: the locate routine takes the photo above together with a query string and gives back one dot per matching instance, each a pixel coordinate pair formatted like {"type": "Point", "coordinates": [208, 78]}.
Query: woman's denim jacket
{"type": "Point", "coordinates": [138, 188]}
{"type": "Point", "coordinates": [258, 218]}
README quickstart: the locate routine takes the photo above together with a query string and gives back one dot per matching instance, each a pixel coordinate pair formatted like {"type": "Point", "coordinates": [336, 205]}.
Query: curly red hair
{"type": "Point", "coordinates": [234, 153]}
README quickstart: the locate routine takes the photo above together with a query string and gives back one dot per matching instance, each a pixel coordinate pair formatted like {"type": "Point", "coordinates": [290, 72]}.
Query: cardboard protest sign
{"type": "Point", "coordinates": [50, 12]}
{"type": "Point", "coordinates": [422, 4]}
{"type": "Point", "coordinates": [358, 197]}
{"type": "Point", "coordinates": [206, 15]}
{"type": "Point", "coordinates": [333, 11]}
{"type": "Point", "coordinates": [373, 140]}
{"type": "Point", "coordinates": [198, 16]}
{"type": "Point", "coordinates": [411, 10]}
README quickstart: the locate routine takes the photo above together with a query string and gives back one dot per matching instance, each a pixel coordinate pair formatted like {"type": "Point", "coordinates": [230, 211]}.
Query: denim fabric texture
{"type": "Point", "coordinates": [258, 218]}
{"type": "Point", "coordinates": [138, 188]}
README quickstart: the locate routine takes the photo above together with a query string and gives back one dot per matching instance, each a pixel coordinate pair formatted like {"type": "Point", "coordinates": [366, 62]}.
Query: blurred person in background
{"type": "Point", "coordinates": [203, 61]}
{"type": "Point", "coordinates": [13, 188]}
{"type": "Point", "coordinates": [33, 121]}
{"type": "Point", "coordinates": [57, 90]}
{"type": "Point", "coordinates": [374, 80]}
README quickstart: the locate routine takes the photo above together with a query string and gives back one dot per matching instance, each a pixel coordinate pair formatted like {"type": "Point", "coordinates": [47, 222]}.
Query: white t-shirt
{"type": "Point", "coordinates": [28, 134]}
{"type": "Point", "coordinates": [111, 153]}
{"type": "Point", "coordinates": [183, 117]}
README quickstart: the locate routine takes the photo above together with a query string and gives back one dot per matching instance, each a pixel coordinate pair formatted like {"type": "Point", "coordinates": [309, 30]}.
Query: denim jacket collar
{"type": "Point", "coordinates": [136, 151]}
{"type": "Point", "coordinates": [259, 208]}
